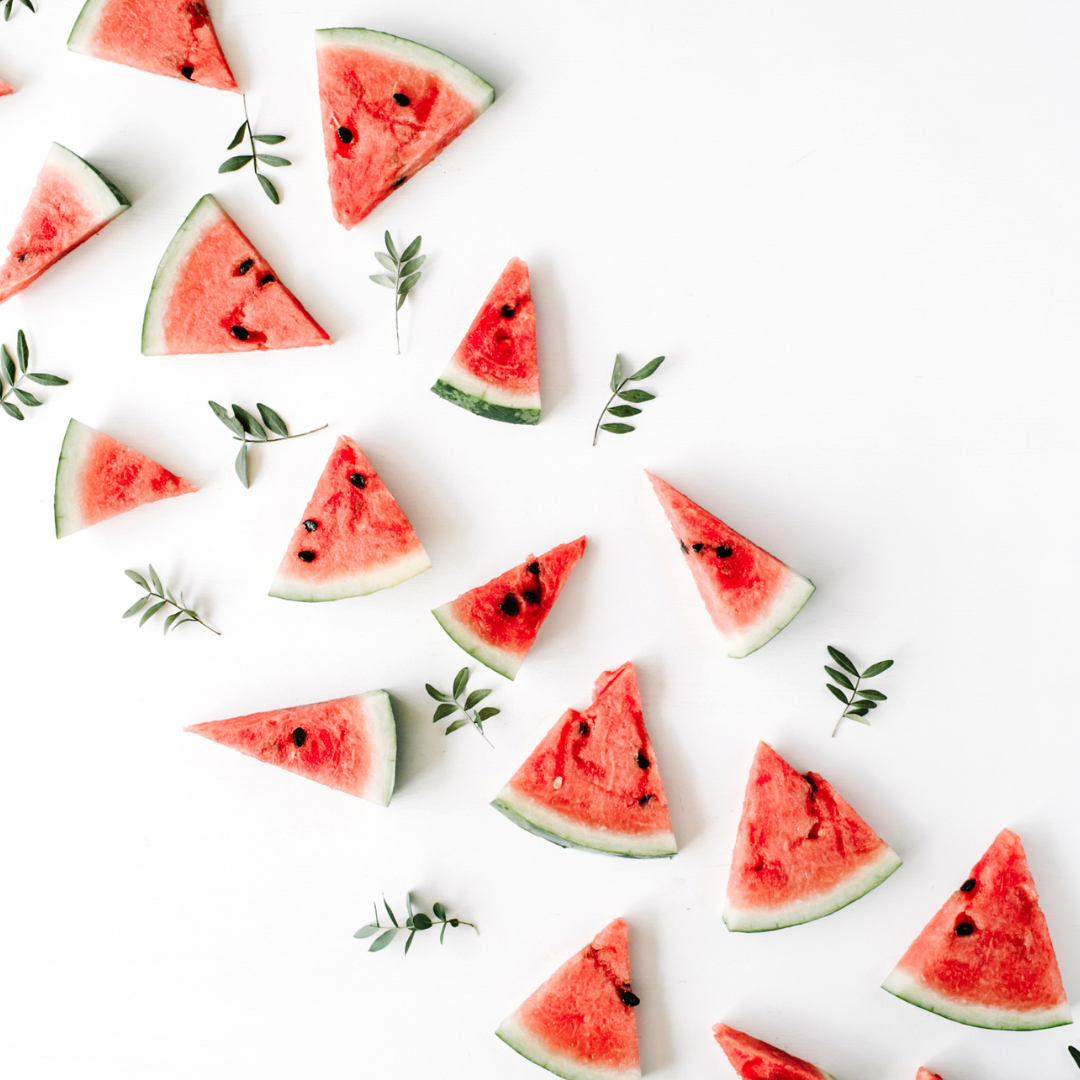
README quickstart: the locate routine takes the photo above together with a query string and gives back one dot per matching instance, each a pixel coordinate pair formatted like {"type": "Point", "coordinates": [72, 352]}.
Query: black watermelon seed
{"type": "Point", "coordinates": [245, 266]}
{"type": "Point", "coordinates": [724, 552]}
{"type": "Point", "coordinates": [685, 549]}
{"type": "Point", "coordinates": [642, 760]}
{"type": "Point", "coordinates": [531, 597]}
{"type": "Point", "coordinates": [583, 728]}
{"type": "Point", "coordinates": [344, 134]}
{"type": "Point", "coordinates": [698, 547]}
{"type": "Point", "coordinates": [187, 71]}
{"type": "Point", "coordinates": [628, 997]}
{"type": "Point", "coordinates": [510, 605]}
{"type": "Point", "coordinates": [239, 333]}
{"type": "Point", "coordinates": [266, 279]}
{"type": "Point", "coordinates": [815, 831]}
{"type": "Point", "coordinates": [809, 779]}
{"type": "Point", "coordinates": [299, 736]}
{"type": "Point", "coordinates": [964, 929]}
{"type": "Point", "coordinates": [358, 480]}
{"type": "Point", "coordinates": [508, 312]}
{"type": "Point", "coordinates": [399, 181]}
{"type": "Point", "coordinates": [310, 525]}
{"type": "Point", "coordinates": [307, 556]}
{"type": "Point", "coordinates": [401, 99]}
{"type": "Point", "coordinates": [534, 569]}
{"type": "Point", "coordinates": [644, 799]}
{"type": "Point", "coordinates": [968, 885]}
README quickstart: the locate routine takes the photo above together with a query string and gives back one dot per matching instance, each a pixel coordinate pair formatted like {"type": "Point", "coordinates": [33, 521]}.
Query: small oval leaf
{"type": "Point", "coordinates": [367, 931]}
{"type": "Point", "coordinates": [645, 371]}
{"type": "Point", "coordinates": [616, 429]}
{"type": "Point", "coordinates": [271, 191]}
{"type": "Point", "coordinates": [623, 410]}
{"type": "Point", "coordinates": [242, 465]}
{"type": "Point", "coordinates": [136, 607]}
{"type": "Point", "coordinates": [877, 669]}
{"type": "Point", "coordinates": [22, 352]}
{"type": "Point", "coordinates": [386, 261]}
{"type": "Point", "coordinates": [421, 921]}
{"type": "Point", "coordinates": [637, 396]}
{"type": "Point", "coordinates": [272, 420]}
{"type": "Point", "coordinates": [443, 711]}
{"type": "Point", "coordinates": [843, 661]}
{"type": "Point", "coordinates": [438, 695]}
{"type": "Point", "coordinates": [26, 397]}
{"type": "Point", "coordinates": [150, 612]}
{"type": "Point", "coordinates": [137, 578]}
{"type": "Point", "coordinates": [273, 160]}
{"type": "Point", "coordinates": [46, 380]}
{"type": "Point", "coordinates": [488, 713]}
{"type": "Point", "coordinates": [616, 374]}
{"type": "Point", "coordinates": [238, 138]}
{"type": "Point", "coordinates": [382, 279]}
{"type": "Point", "coordinates": [270, 140]}
{"type": "Point", "coordinates": [840, 677]}
{"type": "Point", "coordinates": [837, 692]}
{"type": "Point", "coordinates": [234, 163]}
{"type": "Point", "coordinates": [13, 410]}
{"type": "Point", "coordinates": [440, 911]}
{"type": "Point", "coordinates": [873, 695]}
{"type": "Point", "coordinates": [461, 680]}
{"type": "Point", "coordinates": [383, 940]}
{"type": "Point", "coordinates": [475, 698]}
{"type": "Point", "coordinates": [411, 250]}
{"type": "Point", "coordinates": [455, 725]}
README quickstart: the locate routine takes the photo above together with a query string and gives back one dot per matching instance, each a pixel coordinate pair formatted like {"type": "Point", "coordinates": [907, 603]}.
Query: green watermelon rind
{"type": "Point", "coordinates": [382, 729]}
{"type": "Point", "coordinates": [791, 599]}
{"type": "Point", "coordinates": [908, 987]}
{"type": "Point", "coordinates": [384, 576]}
{"type": "Point", "coordinates": [503, 661]}
{"type": "Point", "coordinates": [525, 1042]}
{"type": "Point", "coordinates": [481, 406]}
{"type": "Point", "coordinates": [856, 885]}
{"type": "Point", "coordinates": [85, 24]}
{"type": "Point", "coordinates": [66, 514]}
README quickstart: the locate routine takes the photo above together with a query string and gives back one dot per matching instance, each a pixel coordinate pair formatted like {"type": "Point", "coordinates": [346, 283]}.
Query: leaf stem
{"type": "Point", "coordinates": [596, 430]}
{"type": "Point", "coordinates": [194, 615]}
{"type": "Point", "coordinates": [843, 715]}
{"type": "Point", "coordinates": [278, 438]}
{"type": "Point", "coordinates": [251, 138]}
{"type": "Point", "coordinates": [397, 306]}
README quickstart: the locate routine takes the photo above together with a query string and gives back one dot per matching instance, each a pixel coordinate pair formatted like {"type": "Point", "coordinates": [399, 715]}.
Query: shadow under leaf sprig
{"type": "Point", "coordinates": [247, 429]}
{"type": "Point", "coordinates": [158, 597]}
{"type": "Point", "coordinates": [635, 397]}
{"type": "Point", "coordinates": [406, 273]}
{"type": "Point", "coordinates": [238, 162]}
{"type": "Point", "coordinates": [861, 701]}
{"type": "Point", "coordinates": [11, 376]}
{"type": "Point", "coordinates": [453, 703]}
{"type": "Point", "coordinates": [11, 3]}
{"type": "Point", "coordinates": [416, 922]}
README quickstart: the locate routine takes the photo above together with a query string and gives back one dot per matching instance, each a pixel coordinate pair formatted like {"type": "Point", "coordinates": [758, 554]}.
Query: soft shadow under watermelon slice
{"type": "Point", "coordinates": [754, 1059]}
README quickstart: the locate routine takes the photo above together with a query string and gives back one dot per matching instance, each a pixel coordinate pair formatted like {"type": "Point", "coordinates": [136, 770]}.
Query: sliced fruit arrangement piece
{"type": "Point", "coordinates": [498, 622]}
{"type": "Point", "coordinates": [985, 958]}
{"type": "Point", "coordinates": [6, 89]}
{"type": "Point", "coordinates": [580, 1024]}
{"type": "Point", "coordinates": [70, 202]}
{"type": "Point", "coordinates": [349, 744]}
{"type": "Point", "coordinates": [98, 478]}
{"type": "Point", "coordinates": [494, 371]}
{"type": "Point", "coordinates": [751, 596]}
{"type": "Point", "coordinates": [801, 851]}
{"type": "Point", "coordinates": [164, 37]}
{"type": "Point", "coordinates": [389, 106]}
{"type": "Point", "coordinates": [753, 1059]}
{"type": "Point", "coordinates": [926, 1074]}
{"type": "Point", "coordinates": [214, 293]}
{"type": "Point", "coordinates": [593, 782]}
{"type": "Point", "coordinates": [353, 539]}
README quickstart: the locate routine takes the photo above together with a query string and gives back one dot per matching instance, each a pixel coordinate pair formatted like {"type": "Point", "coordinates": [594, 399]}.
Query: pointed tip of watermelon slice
{"type": "Point", "coordinates": [752, 1058]}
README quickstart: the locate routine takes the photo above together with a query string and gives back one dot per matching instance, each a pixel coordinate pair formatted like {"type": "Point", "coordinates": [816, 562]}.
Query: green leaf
{"type": "Point", "coordinates": [156, 581]}
{"type": "Point", "coordinates": [411, 250]}
{"type": "Point", "coordinates": [390, 246]}
{"type": "Point", "coordinates": [455, 725]}
{"type": "Point", "coordinates": [857, 716]}
{"type": "Point", "coordinates": [13, 410]}
{"type": "Point", "coordinates": [461, 680]}
{"type": "Point", "coordinates": [865, 704]}
{"type": "Point", "coordinates": [7, 10]}
{"type": "Point", "coordinates": [383, 279]}
{"type": "Point", "coordinates": [475, 698]}
{"type": "Point", "coordinates": [273, 160]}
{"type": "Point", "coordinates": [874, 695]}
{"type": "Point", "coordinates": [223, 415]}
{"type": "Point", "coordinates": [28, 4]}
{"type": "Point", "coordinates": [443, 711]}
{"type": "Point", "coordinates": [272, 420]}
{"type": "Point", "coordinates": [440, 911]}
{"type": "Point", "coordinates": [438, 695]}
{"type": "Point", "coordinates": [624, 410]}
{"type": "Point", "coordinates": [637, 396]}
{"type": "Point", "coordinates": [412, 266]}
{"type": "Point", "coordinates": [421, 921]}
{"type": "Point", "coordinates": [136, 607]}
{"type": "Point", "coordinates": [26, 397]}
{"type": "Point", "coordinates": [271, 191]}
{"type": "Point", "coordinates": [367, 931]}
{"type": "Point", "coordinates": [234, 163]}
{"type": "Point", "coordinates": [238, 138]}
{"type": "Point", "coordinates": [386, 261]}
{"type": "Point", "coordinates": [488, 713]}
{"type": "Point", "coordinates": [150, 612]}
{"type": "Point", "coordinates": [22, 352]}
{"type": "Point", "coordinates": [270, 140]}
{"type": "Point", "coordinates": [616, 429]}
{"type": "Point", "coordinates": [408, 942]}
{"type": "Point", "coordinates": [647, 370]}
{"type": "Point", "coordinates": [46, 380]}
{"type": "Point", "coordinates": [840, 677]}
{"type": "Point", "coordinates": [9, 364]}
{"type": "Point", "coordinates": [407, 283]}
{"type": "Point", "coordinates": [251, 425]}
{"type": "Point", "coordinates": [856, 712]}
{"type": "Point", "coordinates": [389, 911]}
{"type": "Point", "coordinates": [400, 301]}
{"type": "Point", "coordinates": [843, 661]}
{"type": "Point", "coordinates": [241, 466]}
{"type": "Point", "coordinates": [383, 940]}
{"type": "Point", "coordinates": [137, 578]}
{"type": "Point", "coordinates": [1075, 1054]}
{"type": "Point", "coordinates": [837, 692]}
{"type": "Point", "coordinates": [616, 373]}
{"type": "Point", "coordinates": [170, 620]}
{"type": "Point", "coordinates": [877, 669]}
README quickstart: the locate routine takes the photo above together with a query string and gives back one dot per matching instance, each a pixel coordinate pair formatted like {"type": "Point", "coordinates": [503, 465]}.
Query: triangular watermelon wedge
{"type": "Point", "coordinates": [985, 958]}
{"type": "Point", "coordinates": [926, 1074]}
{"type": "Point", "coordinates": [751, 596]}
{"type": "Point", "coordinates": [70, 202]}
{"type": "Point", "coordinates": [754, 1059]}
{"type": "Point", "coordinates": [98, 478]}
{"type": "Point", "coordinates": [214, 293]}
{"type": "Point", "coordinates": [6, 89]}
{"type": "Point", "coordinates": [593, 781]}
{"type": "Point", "coordinates": [801, 852]}
{"type": "Point", "coordinates": [353, 538]}
{"type": "Point", "coordinates": [498, 622]}
{"type": "Point", "coordinates": [164, 37]}
{"type": "Point", "coordinates": [580, 1024]}
{"type": "Point", "coordinates": [389, 106]}
{"type": "Point", "coordinates": [494, 371]}
{"type": "Point", "coordinates": [349, 744]}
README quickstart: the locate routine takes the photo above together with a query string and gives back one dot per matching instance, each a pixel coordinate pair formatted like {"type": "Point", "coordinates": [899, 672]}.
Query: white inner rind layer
{"type": "Point", "coordinates": [478, 93]}
{"type": "Point", "coordinates": [908, 986]}
{"type": "Point", "coordinates": [384, 576]}
{"type": "Point", "coordinates": [98, 196]}
{"type": "Point", "coordinates": [382, 737]}
{"type": "Point", "coordinates": [461, 378]}
{"type": "Point", "coordinates": [517, 1036]}
{"type": "Point", "coordinates": [501, 660]}
{"type": "Point", "coordinates": [638, 845]}
{"type": "Point", "coordinates": [752, 920]}
{"type": "Point", "coordinates": [83, 31]}
{"type": "Point", "coordinates": [73, 454]}
{"type": "Point", "coordinates": [787, 603]}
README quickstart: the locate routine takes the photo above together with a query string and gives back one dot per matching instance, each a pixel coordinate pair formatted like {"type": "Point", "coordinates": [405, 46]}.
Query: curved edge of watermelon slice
{"type": "Point", "coordinates": [539, 820]}
{"type": "Point", "coordinates": [910, 988]}
{"type": "Point", "coordinates": [360, 584]}
{"type": "Point", "coordinates": [66, 514]}
{"type": "Point", "coordinates": [520, 1038]}
{"type": "Point", "coordinates": [787, 604]}
{"type": "Point", "coordinates": [757, 920]}
{"type": "Point", "coordinates": [503, 661]}
{"type": "Point", "coordinates": [383, 730]}
{"type": "Point", "coordinates": [461, 387]}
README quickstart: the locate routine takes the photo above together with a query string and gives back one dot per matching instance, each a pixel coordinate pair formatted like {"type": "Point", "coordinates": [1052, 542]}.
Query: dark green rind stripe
{"type": "Point", "coordinates": [483, 408]}
{"type": "Point", "coordinates": [59, 470]}
{"type": "Point", "coordinates": [475, 655]}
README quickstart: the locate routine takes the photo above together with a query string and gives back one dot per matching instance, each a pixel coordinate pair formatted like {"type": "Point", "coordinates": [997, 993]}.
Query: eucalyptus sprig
{"type": "Point", "coordinates": [453, 703]}
{"type": "Point", "coordinates": [415, 923]}
{"type": "Point", "coordinates": [1075, 1055]}
{"type": "Point", "coordinates": [10, 377]}
{"type": "Point", "coordinates": [861, 701]}
{"type": "Point", "coordinates": [10, 3]}
{"type": "Point", "coordinates": [618, 389]}
{"type": "Point", "coordinates": [406, 273]}
{"type": "Point", "coordinates": [247, 429]}
{"type": "Point", "coordinates": [254, 157]}
{"type": "Point", "coordinates": [158, 597]}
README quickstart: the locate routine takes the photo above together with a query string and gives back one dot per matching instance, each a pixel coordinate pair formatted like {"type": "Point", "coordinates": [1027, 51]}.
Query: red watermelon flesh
{"type": "Point", "coordinates": [389, 106]}
{"type": "Point", "coordinates": [349, 744]}
{"type": "Point", "coordinates": [164, 37]}
{"type": "Point", "coordinates": [926, 1074]}
{"type": "Point", "coordinates": [754, 1059]}
{"type": "Point", "coordinates": [750, 595]}
{"type": "Point", "coordinates": [801, 851]}
{"type": "Point", "coordinates": [6, 89]}
{"type": "Point", "coordinates": [498, 622]}
{"type": "Point", "coordinates": [98, 478]}
{"type": "Point", "coordinates": [986, 958]}
{"type": "Point", "coordinates": [494, 371]}
{"type": "Point", "coordinates": [353, 538]}
{"type": "Point", "coordinates": [214, 293]}
{"type": "Point", "coordinates": [593, 781]}
{"type": "Point", "coordinates": [580, 1024]}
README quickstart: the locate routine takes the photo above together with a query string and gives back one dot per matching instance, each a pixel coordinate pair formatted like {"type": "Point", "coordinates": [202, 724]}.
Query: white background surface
{"type": "Point", "coordinates": [853, 230]}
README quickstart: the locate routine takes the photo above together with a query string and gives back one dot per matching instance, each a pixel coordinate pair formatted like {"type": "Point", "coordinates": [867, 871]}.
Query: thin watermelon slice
{"type": "Point", "coordinates": [6, 89]}
{"type": "Point", "coordinates": [98, 478]}
{"type": "Point", "coordinates": [750, 595]}
{"type": "Point", "coordinates": [389, 106]}
{"type": "Point", "coordinates": [353, 539]}
{"type": "Point", "coordinates": [754, 1059]}
{"type": "Point", "coordinates": [593, 781]}
{"type": "Point", "coordinates": [164, 37]}
{"type": "Point", "coordinates": [926, 1074]}
{"type": "Point", "coordinates": [985, 958]}
{"type": "Point", "coordinates": [801, 851]}
{"type": "Point", "coordinates": [70, 202]}
{"type": "Point", "coordinates": [580, 1024]}
{"type": "Point", "coordinates": [349, 744]}
{"type": "Point", "coordinates": [494, 371]}
{"type": "Point", "coordinates": [214, 293]}
{"type": "Point", "coordinates": [498, 622]}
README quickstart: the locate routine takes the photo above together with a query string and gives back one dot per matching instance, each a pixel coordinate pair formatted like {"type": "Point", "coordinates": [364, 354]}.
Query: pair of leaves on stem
{"type": "Point", "coordinates": [158, 597]}
{"type": "Point", "coordinates": [635, 397]}
{"type": "Point", "coordinates": [247, 429]}
{"type": "Point", "coordinates": [11, 374]}
{"type": "Point", "coordinates": [11, 3]}
{"type": "Point", "coordinates": [405, 269]}
{"type": "Point", "coordinates": [861, 701]}
{"type": "Point", "coordinates": [453, 703]}
{"type": "Point", "coordinates": [238, 162]}
{"type": "Point", "coordinates": [416, 922]}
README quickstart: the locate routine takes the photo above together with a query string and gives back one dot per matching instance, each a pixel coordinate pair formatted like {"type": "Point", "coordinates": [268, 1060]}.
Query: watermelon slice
{"type": "Point", "coordinates": [580, 1024]}
{"type": "Point", "coordinates": [70, 202]}
{"type": "Point", "coordinates": [498, 622]}
{"type": "Point", "coordinates": [348, 744]}
{"type": "Point", "coordinates": [164, 37]}
{"type": "Point", "coordinates": [494, 371]}
{"type": "Point", "coordinates": [753, 1059]}
{"type": "Point", "coordinates": [98, 478]}
{"type": "Point", "coordinates": [389, 106]}
{"type": "Point", "coordinates": [353, 538]}
{"type": "Point", "coordinates": [6, 89]}
{"type": "Point", "coordinates": [985, 958]}
{"type": "Point", "coordinates": [801, 851]}
{"type": "Point", "coordinates": [593, 781]}
{"type": "Point", "coordinates": [750, 595]}
{"type": "Point", "coordinates": [926, 1074]}
{"type": "Point", "coordinates": [214, 293]}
